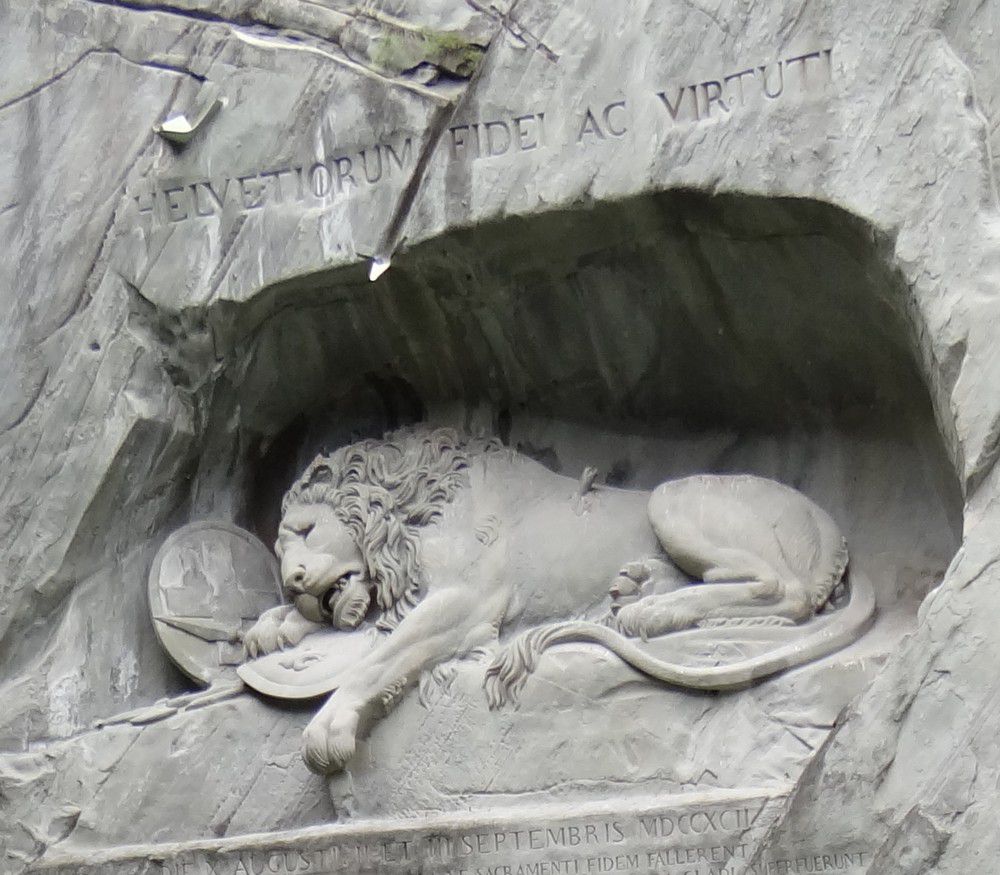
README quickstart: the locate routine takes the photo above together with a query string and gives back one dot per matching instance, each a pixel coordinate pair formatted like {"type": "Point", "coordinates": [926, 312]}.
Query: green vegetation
{"type": "Point", "coordinates": [398, 50]}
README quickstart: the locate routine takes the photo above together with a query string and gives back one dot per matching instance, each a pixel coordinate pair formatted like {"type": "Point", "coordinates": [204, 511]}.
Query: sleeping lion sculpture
{"type": "Point", "coordinates": [453, 544]}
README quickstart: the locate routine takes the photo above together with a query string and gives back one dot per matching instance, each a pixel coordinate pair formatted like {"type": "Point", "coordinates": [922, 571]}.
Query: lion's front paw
{"type": "Point", "coordinates": [277, 629]}
{"type": "Point", "coordinates": [294, 628]}
{"type": "Point", "coordinates": [263, 637]}
{"type": "Point", "coordinates": [327, 745]}
{"type": "Point", "coordinates": [651, 617]}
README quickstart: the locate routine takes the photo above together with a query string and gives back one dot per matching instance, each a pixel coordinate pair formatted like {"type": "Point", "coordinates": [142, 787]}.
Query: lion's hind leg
{"type": "Point", "coordinates": [710, 534]}
{"type": "Point", "coordinates": [737, 584]}
{"type": "Point", "coordinates": [700, 603]}
{"type": "Point", "coordinates": [707, 560]}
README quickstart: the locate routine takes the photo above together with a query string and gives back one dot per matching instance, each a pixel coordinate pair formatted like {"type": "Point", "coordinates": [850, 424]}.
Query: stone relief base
{"type": "Point", "coordinates": [434, 754]}
{"type": "Point", "coordinates": [709, 833]}
{"type": "Point", "coordinates": [587, 728]}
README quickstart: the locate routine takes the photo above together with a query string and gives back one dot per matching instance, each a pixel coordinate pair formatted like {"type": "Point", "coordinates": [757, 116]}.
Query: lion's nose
{"type": "Point", "coordinates": [296, 580]}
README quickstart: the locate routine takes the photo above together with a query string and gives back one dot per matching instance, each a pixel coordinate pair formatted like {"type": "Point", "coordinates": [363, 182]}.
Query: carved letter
{"type": "Point", "coordinates": [523, 135]}
{"type": "Point", "coordinates": [609, 124]}
{"type": "Point", "coordinates": [176, 211]}
{"type": "Point", "coordinates": [276, 176]}
{"type": "Point", "coordinates": [802, 59]}
{"type": "Point", "coordinates": [401, 163]}
{"type": "Point", "coordinates": [197, 201]}
{"type": "Point", "coordinates": [343, 167]}
{"type": "Point", "coordinates": [674, 108]}
{"type": "Point", "coordinates": [713, 94]}
{"type": "Point", "coordinates": [491, 149]}
{"type": "Point", "coordinates": [457, 140]}
{"type": "Point", "coordinates": [364, 162]}
{"type": "Point", "coordinates": [589, 126]}
{"type": "Point", "coordinates": [739, 79]}
{"type": "Point", "coordinates": [320, 180]}
{"type": "Point", "coordinates": [781, 81]}
{"type": "Point", "coordinates": [141, 208]}
{"type": "Point", "coordinates": [219, 199]}
{"type": "Point", "coordinates": [252, 199]}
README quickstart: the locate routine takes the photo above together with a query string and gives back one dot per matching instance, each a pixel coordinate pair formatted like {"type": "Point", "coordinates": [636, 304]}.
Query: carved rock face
{"type": "Point", "coordinates": [652, 238]}
{"type": "Point", "coordinates": [321, 566]}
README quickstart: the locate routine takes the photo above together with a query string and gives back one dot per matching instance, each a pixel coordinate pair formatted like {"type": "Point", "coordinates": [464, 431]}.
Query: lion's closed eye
{"type": "Point", "coordinates": [304, 531]}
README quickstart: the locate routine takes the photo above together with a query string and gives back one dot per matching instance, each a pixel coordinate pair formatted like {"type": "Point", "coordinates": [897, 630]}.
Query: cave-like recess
{"type": "Point", "coordinates": [652, 337]}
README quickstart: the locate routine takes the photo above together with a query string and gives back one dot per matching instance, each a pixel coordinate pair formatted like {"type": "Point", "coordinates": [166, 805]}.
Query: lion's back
{"type": "Point", "coordinates": [560, 551]}
{"type": "Point", "coordinates": [770, 520]}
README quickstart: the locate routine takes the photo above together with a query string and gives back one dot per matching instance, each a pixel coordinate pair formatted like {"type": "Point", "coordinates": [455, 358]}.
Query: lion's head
{"type": "Point", "coordinates": [322, 567]}
{"type": "Point", "coordinates": [350, 524]}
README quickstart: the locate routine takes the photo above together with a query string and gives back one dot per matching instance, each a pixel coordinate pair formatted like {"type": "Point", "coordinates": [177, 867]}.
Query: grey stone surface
{"type": "Point", "coordinates": [707, 828]}
{"type": "Point", "coordinates": [455, 545]}
{"type": "Point", "coordinates": [181, 793]}
{"type": "Point", "coordinates": [596, 254]}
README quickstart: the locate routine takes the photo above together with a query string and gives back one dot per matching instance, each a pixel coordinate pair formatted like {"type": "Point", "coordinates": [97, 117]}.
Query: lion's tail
{"type": "Point", "coordinates": [509, 671]}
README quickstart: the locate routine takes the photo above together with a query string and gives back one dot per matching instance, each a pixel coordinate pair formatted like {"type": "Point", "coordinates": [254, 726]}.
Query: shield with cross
{"type": "Point", "coordinates": [209, 583]}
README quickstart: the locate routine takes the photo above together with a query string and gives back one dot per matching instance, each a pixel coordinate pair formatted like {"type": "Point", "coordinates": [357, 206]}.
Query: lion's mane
{"type": "Point", "coordinates": [385, 491]}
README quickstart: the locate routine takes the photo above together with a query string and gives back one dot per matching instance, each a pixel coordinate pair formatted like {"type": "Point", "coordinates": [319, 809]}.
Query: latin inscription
{"type": "Point", "coordinates": [704, 840]}
{"type": "Point", "coordinates": [676, 105]}
{"type": "Point", "coordinates": [496, 137]}
{"type": "Point", "coordinates": [315, 182]}
{"type": "Point", "coordinates": [321, 182]}
{"type": "Point", "coordinates": [699, 101]}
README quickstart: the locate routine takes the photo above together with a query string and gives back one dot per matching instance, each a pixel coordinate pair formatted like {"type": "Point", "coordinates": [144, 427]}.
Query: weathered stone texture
{"type": "Point", "coordinates": [802, 284]}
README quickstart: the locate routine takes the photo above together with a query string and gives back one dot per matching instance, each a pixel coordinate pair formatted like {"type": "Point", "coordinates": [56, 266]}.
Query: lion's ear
{"type": "Point", "coordinates": [321, 474]}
